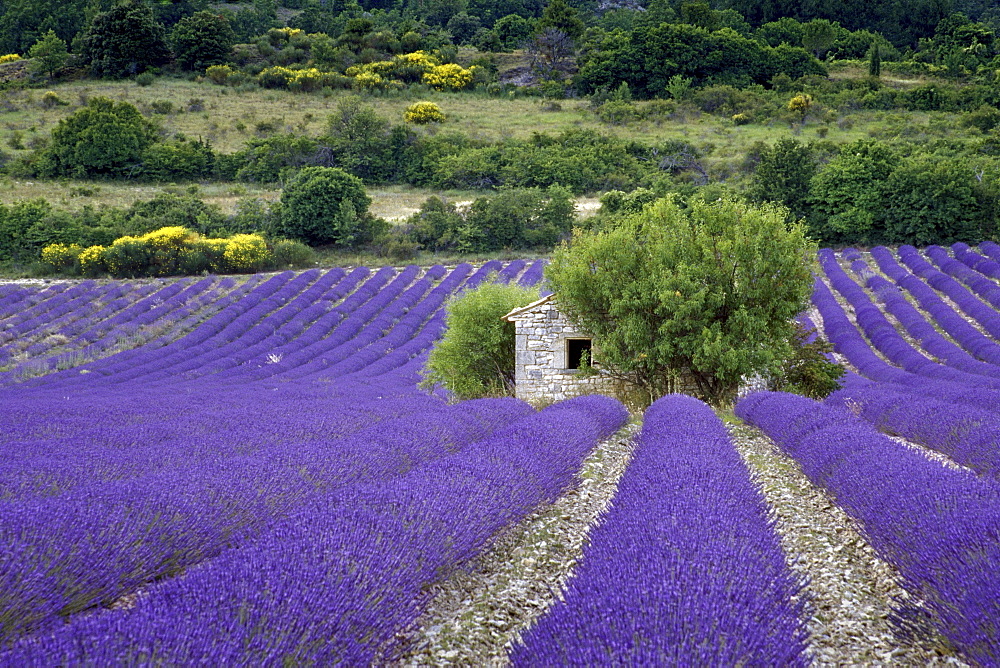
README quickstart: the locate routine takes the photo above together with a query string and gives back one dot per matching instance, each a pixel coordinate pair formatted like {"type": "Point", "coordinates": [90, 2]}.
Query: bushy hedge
{"type": "Point", "coordinates": [516, 219]}
{"type": "Point", "coordinates": [171, 251]}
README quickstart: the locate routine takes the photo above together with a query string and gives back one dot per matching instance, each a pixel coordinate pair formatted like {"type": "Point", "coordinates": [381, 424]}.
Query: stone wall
{"type": "Point", "coordinates": [540, 372]}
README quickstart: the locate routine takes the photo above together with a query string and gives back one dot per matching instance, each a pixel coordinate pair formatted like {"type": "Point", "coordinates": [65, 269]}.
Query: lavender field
{"type": "Point", "coordinates": [244, 472]}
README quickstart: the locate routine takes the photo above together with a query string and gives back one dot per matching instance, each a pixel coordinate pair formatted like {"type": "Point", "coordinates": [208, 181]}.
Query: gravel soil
{"type": "Point", "coordinates": [477, 613]}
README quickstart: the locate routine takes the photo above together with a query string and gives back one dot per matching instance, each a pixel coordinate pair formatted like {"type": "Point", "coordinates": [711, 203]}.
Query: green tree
{"type": "Point", "coordinates": [560, 15]}
{"type": "Point", "coordinates": [360, 140]}
{"type": "Point", "coordinates": [463, 27]}
{"type": "Point", "coordinates": [48, 55]}
{"type": "Point", "coordinates": [325, 205]}
{"type": "Point", "coordinates": [24, 22]}
{"type": "Point", "coordinates": [125, 41]}
{"type": "Point", "coordinates": [874, 60]}
{"type": "Point", "coordinates": [709, 290]}
{"type": "Point", "coordinates": [933, 200]}
{"type": "Point", "coordinates": [105, 138]}
{"type": "Point", "coordinates": [818, 36]}
{"type": "Point", "coordinates": [846, 194]}
{"type": "Point", "coordinates": [783, 175]}
{"type": "Point", "coordinates": [202, 39]}
{"type": "Point", "coordinates": [475, 357]}
{"type": "Point", "coordinates": [513, 30]}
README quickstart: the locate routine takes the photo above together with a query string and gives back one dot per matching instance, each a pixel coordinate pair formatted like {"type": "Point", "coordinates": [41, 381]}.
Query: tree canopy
{"type": "Point", "coordinates": [125, 40]}
{"type": "Point", "coordinates": [710, 289]}
{"type": "Point", "coordinates": [105, 138]}
{"type": "Point", "coordinates": [475, 357]}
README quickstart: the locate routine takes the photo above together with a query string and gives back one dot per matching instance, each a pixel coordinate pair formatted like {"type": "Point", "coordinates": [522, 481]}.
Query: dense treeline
{"type": "Point", "coordinates": [749, 62]}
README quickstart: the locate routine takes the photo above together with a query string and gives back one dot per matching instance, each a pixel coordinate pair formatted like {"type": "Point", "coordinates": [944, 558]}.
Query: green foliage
{"type": "Point", "coordinates": [24, 22]}
{"type": "Point", "coordinates": [581, 160]}
{"type": "Point", "coordinates": [818, 36]}
{"type": "Point", "coordinates": [266, 160]}
{"type": "Point", "coordinates": [513, 31]}
{"type": "Point", "coordinates": [16, 221]}
{"type": "Point", "coordinates": [48, 55]}
{"type": "Point", "coordinates": [289, 254]}
{"type": "Point", "coordinates": [648, 57]}
{"type": "Point", "coordinates": [985, 118]}
{"type": "Point", "coordinates": [931, 200]}
{"type": "Point", "coordinates": [874, 60]}
{"type": "Point", "coordinates": [124, 41]}
{"type": "Point", "coordinates": [167, 210]}
{"type": "Point", "coordinates": [846, 193]}
{"type": "Point", "coordinates": [807, 371]}
{"type": "Point", "coordinates": [360, 140]}
{"type": "Point", "coordinates": [104, 138]}
{"type": "Point", "coordinates": [202, 39]}
{"type": "Point", "coordinates": [325, 205]}
{"type": "Point", "coordinates": [178, 160]}
{"type": "Point", "coordinates": [783, 174]}
{"type": "Point", "coordinates": [559, 15]}
{"type": "Point", "coordinates": [518, 218]}
{"type": "Point", "coordinates": [710, 290]}
{"type": "Point", "coordinates": [475, 357]}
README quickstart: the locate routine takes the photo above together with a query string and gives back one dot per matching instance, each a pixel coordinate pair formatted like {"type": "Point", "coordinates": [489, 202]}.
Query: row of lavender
{"type": "Point", "coordinates": [336, 579]}
{"type": "Point", "coordinates": [686, 567]}
{"type": "Point", "coordinates": [295, 399]}
{"type": "Point", "coordinates": [920, 332]}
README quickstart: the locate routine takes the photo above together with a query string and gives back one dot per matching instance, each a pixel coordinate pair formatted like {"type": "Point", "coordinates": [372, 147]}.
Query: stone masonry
{"type": "Point", "coordinates": [541, 368]}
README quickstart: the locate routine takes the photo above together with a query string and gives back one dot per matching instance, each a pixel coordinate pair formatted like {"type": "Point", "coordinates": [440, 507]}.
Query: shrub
{"type": "Point", "coordinates": [421, 113]}
{"type": "Point", "coordinates": [9, 58]}
{"type": "Point", "coordinates": [175, 250]}
{"type": "Point", "coordinates": [291, 254]}
{"type": "Point", "coordinates": [161, 106]}
{"type": "Point", "coordinates": [202, 39]}
{"type": "Point", "coordinates": [145, 79]}
{"type": "Point", "coordinates": [219, 74]}
{"type": "Point", "coordinates": [449, 77]}
{"type": "Point", "coordinates": [104, 138]}
{"type": "Point", "coordinates": [475, 357]}
{"type": "Point", "coordinates": [50, 99]}
{"type": "Point", "coordinates": [245, 253]}
{"type": "Point", "coordinates": [807, 371]}
{"type": "Point", "coordinates": [178, 160]}
{"type": "Point", "coordinates": [325, 205]}
{"type": "Point", "coordinates": [92, 261]}
{"type": "Point", "coordinates": [61, 257]}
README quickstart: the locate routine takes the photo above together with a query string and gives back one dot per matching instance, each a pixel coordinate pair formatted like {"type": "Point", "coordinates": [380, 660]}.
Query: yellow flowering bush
{"type": "Point", "coordinates": [275, 77]}
{"type": "Point", "coordinates": [373, 81]}
{"type": "Point", "coordinates": [450, 76]}
{"type": "Point", "coordinates": [165, 237]}
{"type": "Point", "coordinates": [421, 113]}
{"type": "Point", "coordinates": [92, 260]}
{"type": "Point", "coordinates": [246, 252]}
{"type": "Point", "coordinates": [167, 251]}
{"type": "Point", "coordinates": [421, 58]}
{"type": "Point", "coordinates": [800, 104]}
{"type": "Point", "coordinates": [60, 257]}
{"type": "Point", "coordinates": [9, 58]}
{"type": "Point", "coordinates": [219, 74]}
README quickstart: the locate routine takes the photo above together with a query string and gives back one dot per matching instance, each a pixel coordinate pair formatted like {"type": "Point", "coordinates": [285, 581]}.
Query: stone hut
{"type": "Point", "coordinates": [550, 351]}
{"type": "Point", "coordinates": [549, 354]}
